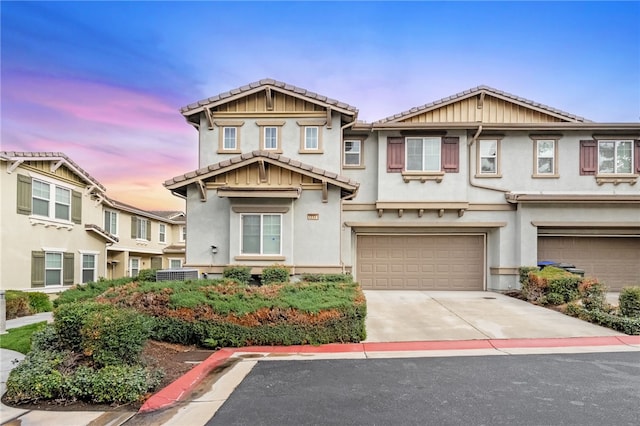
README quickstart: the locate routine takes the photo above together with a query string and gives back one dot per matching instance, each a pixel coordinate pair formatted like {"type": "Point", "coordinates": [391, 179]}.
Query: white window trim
{"type": "Point", "coordinates": [261, 254]}
{"type": "Point", "coordinates": [139, 228]}
{"type": "Point", "coordinates": [95, 264]}
{"type": "Point", "coordinates": [171, 259]}
{"type": "Point", "coordinates": [139, 259]}
{"type": "Point", "coordinates": [117, 216]}
{"type": "Point", "coordinates": [360, 164]}
{"type": "Point", "coordinates": [35, 218]}
{"type": "Point", "coordinates": [61, 253]}
{"type": "Point", "coordinates": [162, 236]}
{"type": "Point", "coordinates": [498, 157]}
{"type": "Point", "coordinates": [536, 173]}
{"type": "Point", "coordinates": [615, 173]}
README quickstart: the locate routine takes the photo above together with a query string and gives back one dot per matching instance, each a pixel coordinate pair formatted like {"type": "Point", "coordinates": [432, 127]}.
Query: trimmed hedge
{"type": "Point", "coordinates": [275, 274]}
{"type": "Point", "coordinates": [240, 273]}
{"type": "Point", "coordinates": [629, 300]}
{"type": "Point", "coordinates": [22, 303]}
{"type": "Point", "coordinates": [550, 285]}
{"type": "Point", "coordinates": [623, 324]}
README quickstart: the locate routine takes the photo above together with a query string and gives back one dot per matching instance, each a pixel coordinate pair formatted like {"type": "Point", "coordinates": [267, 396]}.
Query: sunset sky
{"type": "Point", "coordinates": [103, 82]}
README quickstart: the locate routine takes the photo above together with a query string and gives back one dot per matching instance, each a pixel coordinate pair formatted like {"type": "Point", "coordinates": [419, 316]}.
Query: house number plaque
{"type": "Point", "coordinates": [313, 216]}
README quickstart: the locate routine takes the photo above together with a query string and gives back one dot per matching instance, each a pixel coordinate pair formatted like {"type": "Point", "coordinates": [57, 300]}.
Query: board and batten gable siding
{"type": "Point", "coordinates": [492, 110]}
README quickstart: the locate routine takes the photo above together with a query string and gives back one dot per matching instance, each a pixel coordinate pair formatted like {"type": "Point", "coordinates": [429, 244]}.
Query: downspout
{"type": "Point", "coordinates": [346, 197]}
{"type": "Point", "coordinates": [474, 138]}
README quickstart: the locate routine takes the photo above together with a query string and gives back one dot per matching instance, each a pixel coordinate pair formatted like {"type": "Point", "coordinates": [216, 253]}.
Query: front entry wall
{"type": "Point", "coordinates": [421, 262]}
{"type": "Point", "coordinates": [615, 261]}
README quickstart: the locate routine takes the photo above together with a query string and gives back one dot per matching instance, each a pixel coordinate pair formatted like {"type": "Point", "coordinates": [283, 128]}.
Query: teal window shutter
{"type": "Point", "coordinates": [67, 269]}
{"type": "Point", "coordinates": [37, 269]}
{"type": "Point", "coordinates": [76, 207]}
{"type": "Point", "coordinates": [134, 226]}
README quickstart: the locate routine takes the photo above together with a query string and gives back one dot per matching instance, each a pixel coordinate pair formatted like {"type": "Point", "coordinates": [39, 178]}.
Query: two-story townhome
{"type": "Point", "coordinates": [59, 228]}
{"type": "Point", "coordinates": [452, 195]}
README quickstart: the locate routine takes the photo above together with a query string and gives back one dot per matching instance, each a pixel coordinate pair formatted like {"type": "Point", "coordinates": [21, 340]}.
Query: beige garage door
{"type": "Point", "coordinates": [420, 262]}
{"type": "Point", "coordinates": [614, 261]}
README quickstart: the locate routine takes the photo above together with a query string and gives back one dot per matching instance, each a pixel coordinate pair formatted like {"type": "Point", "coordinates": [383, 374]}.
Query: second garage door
{"type": "Point", "coordinates": [420, 262]}
{"type": "Point", "coordinates": [615, 261]}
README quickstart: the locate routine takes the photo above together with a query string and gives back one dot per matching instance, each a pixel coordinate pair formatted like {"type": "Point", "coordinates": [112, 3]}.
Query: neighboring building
{"type": "Point", "coordinates": [59, 228]}
{"type": "Point", "coordinates": [455, 194]}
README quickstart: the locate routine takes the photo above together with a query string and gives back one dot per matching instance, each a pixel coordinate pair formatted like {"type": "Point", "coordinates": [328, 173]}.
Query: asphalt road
{"type": "Point", "coordinates": [572, 389]}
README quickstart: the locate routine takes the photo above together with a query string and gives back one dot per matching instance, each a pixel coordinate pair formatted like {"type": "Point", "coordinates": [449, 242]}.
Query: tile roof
{"type": "Point", "coordinates": [275, 158]}
{"type": "Point", "coordinates": [477, 90]}
{"type": "Point", "coordinates": [268, 82]}
{"type": "Point", "coordinates": [152, 214]}
{"type": "Point", "coordinates": [51, 156]}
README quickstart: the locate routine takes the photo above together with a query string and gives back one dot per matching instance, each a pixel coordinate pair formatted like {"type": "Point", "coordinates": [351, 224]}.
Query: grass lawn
{"type": "Point", "coordinates": [19, 339]}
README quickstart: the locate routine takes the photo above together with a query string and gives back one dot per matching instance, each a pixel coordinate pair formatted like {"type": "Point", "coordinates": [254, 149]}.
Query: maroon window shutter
{"type": "Point", "coordinates": [395, 155]}
{"type": "Point", "coordinates": [451, 154]}
{"type": "Point", "coordinates": [588, 157]}
{"type": "Point", "coordinates": [636, 155]}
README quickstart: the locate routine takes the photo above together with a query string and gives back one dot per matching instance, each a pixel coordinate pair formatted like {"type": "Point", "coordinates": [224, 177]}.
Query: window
{"type": "Point", "coordinates": [261, 233]}
{"type": "Point", "coordinates": [488, 156]}
{"type": "Point", "coordinates": [615, 156]}
{"type": "Point", "coordinates": [352, 153]}
{"type": "Point", "coordinates": [311, 138]}
{"type": "Point", "coordinates": [111, 222]}
{"type": "Point", "coordinates": [183, 234]}
{"type": "Point", "coordinates": [175, 263]}
{"type": "Point", "coordinates": [88, 268]}
{"type": "Point", "coordinates": [230, 141]}
{"type": "Point", "coordinates": [270, 138]}
{"type": "Point", "coordinates": [134, 266]}
{"type": "Point", "coordinates": [140, 228]}
{"type": "Point", "coordinates": [52, 269]}
{"type": "Point", "coordinates": [162, 236]}
{"type": "Point", "coordinates": [423, 154]}
{"type": "Point", "coordinates": [545, 157]}
{"type": "Point", "coordinates": [42, 201]}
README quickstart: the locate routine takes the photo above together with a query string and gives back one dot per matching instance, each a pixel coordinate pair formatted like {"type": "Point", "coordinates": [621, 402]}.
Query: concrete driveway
{"type": "Point", "coordinates": [402, 316]}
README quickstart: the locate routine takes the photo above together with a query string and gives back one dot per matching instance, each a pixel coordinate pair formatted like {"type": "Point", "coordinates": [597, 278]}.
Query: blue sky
{"type": "Point", "coordinates": [103, 81]}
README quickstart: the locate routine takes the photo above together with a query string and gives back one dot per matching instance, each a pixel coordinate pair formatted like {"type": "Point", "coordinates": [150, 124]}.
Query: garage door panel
{"type": "Point", "coordinates": [615, 261]}
{"type": "Point", "coordinates": [421, 262]}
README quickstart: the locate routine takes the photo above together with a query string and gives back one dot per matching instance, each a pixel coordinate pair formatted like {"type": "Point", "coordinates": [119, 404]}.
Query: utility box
{"type": "Point", "coordinates": [177, 274]}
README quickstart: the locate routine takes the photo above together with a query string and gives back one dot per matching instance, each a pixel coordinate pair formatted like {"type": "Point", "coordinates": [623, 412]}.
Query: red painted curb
{"type": "Point", "coordinates": [177, 390]}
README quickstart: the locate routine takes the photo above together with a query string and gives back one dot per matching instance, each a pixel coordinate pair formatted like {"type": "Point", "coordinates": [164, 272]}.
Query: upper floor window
{"type": "Point", "coordinates": [423, 154]}
{"type": "Point", "coordinates": [51, 200]}
{"type": "Point", "coordinates": [615, 156]}
{"type": "Point", "coordinates": [140, 228]}
{"type": "Point", "coordinates": [311, 138]}
{"type": "Point", "coordinates": [111, 222]}
{"type": "Point", "coordinates": [230, 138]}
{"type": "Point", "coordinates": [183, 234]}
{"type": "Point", "coordinates": [352, 153]}
{"type": "Point", "coordinates": [162, 233]}
{"type": "Point", "coordinates": [270, 138]}
{"type": "Point", "coordinates": [545, 158]}
{"type": "Point", "coordinates": [488, 157]}
{"type": "Point", "coordinates": [261, 234]}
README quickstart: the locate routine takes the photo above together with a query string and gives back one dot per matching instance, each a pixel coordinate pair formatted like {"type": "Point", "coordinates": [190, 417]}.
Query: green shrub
{"type": "Point", "coordinates": [275, 274]}
{"type": "Point", "coordinates": [37, 377]}
{"type": "Point", "coordinates": [147, 275]}
{"type": "Point", "coordinates": [17, 304]}
{"type": "Point", "coordinates": [40, 302]}
{"type": "Point", "coordinates": [323, 278]}
{"type": "Point", "coordinates": [540, 283]}
{"type": "Point", "coordinates": [566, 286]}
{"type": "Point", "coordinates": [240, 273]}
{"type": "Point", "coordinates": [118, 384]}
{"type": "Point", "coordinates": [554, 299]}
{"type": "Point", "coordinates": [623, 324]}
{"type": "Point", "coordinates": [69, 319]}
{"type": "Point", "coordinates": [594, 295]}
{"type": "Point", "coordinates": [524, 272]}
{"type": "Point", "coordinates": [629, 301]}
{"type": "Point", "coordinates": [45, 339]}
{"type": "Point", "coordinates": [89, 291]}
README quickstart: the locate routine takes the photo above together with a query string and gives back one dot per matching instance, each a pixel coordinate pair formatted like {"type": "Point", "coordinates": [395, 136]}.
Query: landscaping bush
{"type": "Point", "coordinates": [553, 299]}
{"type": "Point", "coordinates": [147, 275]}
{"type": "Point", "coordinates": [524, 273]}
{"type": "Point", "coordinates": [623, 324]}
{"type": "Point", "coordinates": [106, 334]}
{"type": "Point", "coordinates": [37, 377]}
{"type": "Point", "coordinates": [241, 274]}
{"type": "Point", "coordinates": [17, 304]}
{"type": "Point", "coordinates": [540, 284]}
{"type": "Point", "coordinates": [89, 291]}
{"type": "Point", "coordinates": [275, 274]}
{"type": "Point", "coordinates": [629, 302]}
{"type": "Point", "coordinates": [327, 278]}
{"type": "Point", "coordinates": [594, 295]}
{"type": "Point", "coordinates": [40, 302]}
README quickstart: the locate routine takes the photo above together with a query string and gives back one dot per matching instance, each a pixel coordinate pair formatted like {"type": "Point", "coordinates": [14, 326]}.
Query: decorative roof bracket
{"type": "Point", "coordinates": [325, 191]}
{"type": "Point", "coordinates": [14, 165]}
{"type": "Point", "coordinates": [329, 117]}
{"type": "Point", "coordinates": [269, 99]}
{"type": "Point", "coordinates": [262, 172]}
{"type": "Point", "coordinates": [56, 166]}
{"type": "Point", "coordinates": [209, 115]}
{"type": "Point", "coordinates": [203, 190]}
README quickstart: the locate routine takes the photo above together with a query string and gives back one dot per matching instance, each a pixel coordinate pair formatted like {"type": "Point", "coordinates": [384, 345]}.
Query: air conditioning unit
{"type": "Point", "coordinates": [176, 274]}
